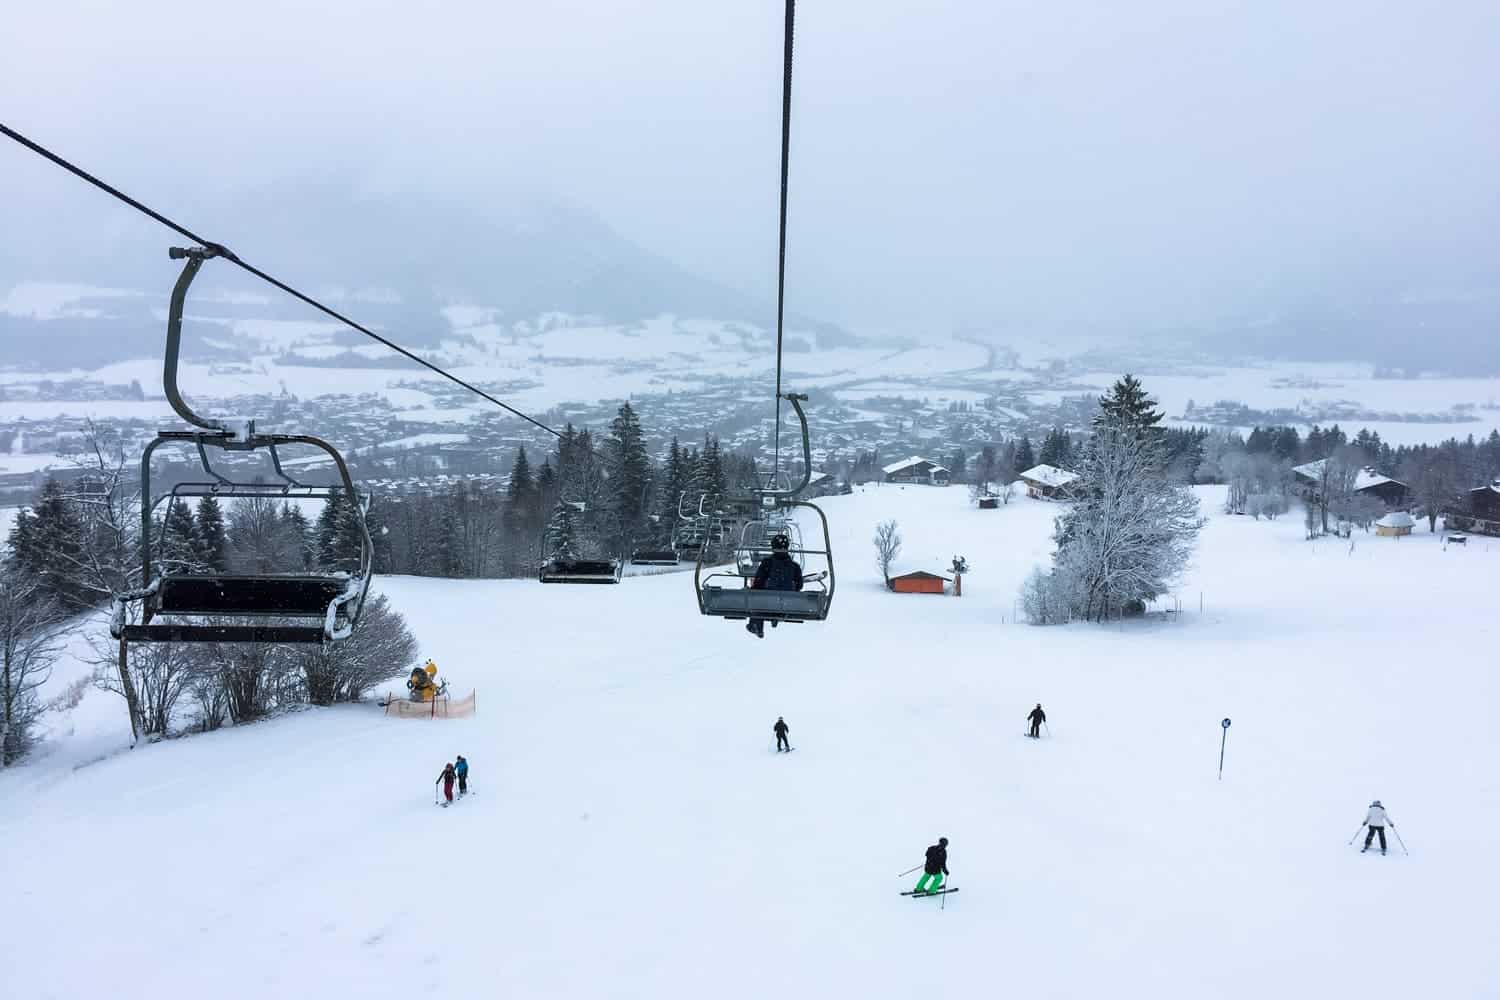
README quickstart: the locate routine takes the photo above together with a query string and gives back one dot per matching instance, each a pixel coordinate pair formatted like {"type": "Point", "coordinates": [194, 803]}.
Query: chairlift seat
{"type": "Point", "coordinates": [772, 605]}
{"type": "Point", "coordinates": [163, 632]}
{"type": "Point", "coordinates": [280, 596]}
{"type": "Point", "coordinates": [654, 557]}
{"type": "Point", "coordinates": [581, 571]}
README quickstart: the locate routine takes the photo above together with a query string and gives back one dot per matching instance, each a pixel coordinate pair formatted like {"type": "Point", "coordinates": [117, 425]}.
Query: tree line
{"type": "Point", "coordinates": [589, 498]}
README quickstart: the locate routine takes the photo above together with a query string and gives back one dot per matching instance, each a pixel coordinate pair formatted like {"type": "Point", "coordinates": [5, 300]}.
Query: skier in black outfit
{"type": "Point", "coordinates": [777, 571]}
{"type": "Point", "coordinates": [781, 729]}
{"type": "Point", "coordinates": [934, 868]}
{"type": "Point", "coordinates": [1037, 717]}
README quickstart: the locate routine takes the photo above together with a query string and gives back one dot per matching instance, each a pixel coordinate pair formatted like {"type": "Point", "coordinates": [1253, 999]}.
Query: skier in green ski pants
{"type": "Point", "coordinates": [935, 868]}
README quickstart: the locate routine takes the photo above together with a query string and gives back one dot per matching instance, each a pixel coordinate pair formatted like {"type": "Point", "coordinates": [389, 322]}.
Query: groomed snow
{"type": "Point", "coordinates": [634, 835]}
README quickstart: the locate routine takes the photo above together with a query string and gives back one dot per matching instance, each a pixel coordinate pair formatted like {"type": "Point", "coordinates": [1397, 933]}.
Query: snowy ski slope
{"type": "Point", "coordinates": [634, 834]}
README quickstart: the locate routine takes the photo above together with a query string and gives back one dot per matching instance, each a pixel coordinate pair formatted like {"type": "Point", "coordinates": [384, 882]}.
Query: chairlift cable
{"type": "Point", "coordinates": [230, 256]}
{"type": "Point", "coordinates": [786, 142]}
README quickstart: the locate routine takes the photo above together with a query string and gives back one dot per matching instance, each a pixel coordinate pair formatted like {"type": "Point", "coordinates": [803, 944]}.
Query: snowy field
{"type": "Point", "coordinates": [633, 834]}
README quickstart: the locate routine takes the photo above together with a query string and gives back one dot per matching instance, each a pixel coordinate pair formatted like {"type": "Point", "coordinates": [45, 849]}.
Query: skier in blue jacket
{"type": "Point", "coordinates": [462, 770]}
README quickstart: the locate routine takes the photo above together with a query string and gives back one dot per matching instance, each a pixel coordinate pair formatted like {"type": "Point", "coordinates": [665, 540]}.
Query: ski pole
{"type": "Point", "coordinates": [909, 871]}
{"type": "Point", "coordinates": [1399, 840]}
{"type": "Point", "coordinates": [1356, 834]}
{"type": "Point", "coordinates": [1047, 728]}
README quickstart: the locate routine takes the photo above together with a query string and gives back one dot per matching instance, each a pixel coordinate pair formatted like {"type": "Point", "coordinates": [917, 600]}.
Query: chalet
{"type": "Point", "coordinates": [821, 484]}
{"type": "Point", "coordinates": [918, 582]}
{"type": "Point", "coordinates": [1481, 511]}
{"type": "Point", "coordinates": [917, 470]}
{"type": "Point", "coordinates": [1048, 482]}
{"type": "Point", "coordinates": [1395, 524]}
{"type": "Point", "coordinates": [1391, 492]}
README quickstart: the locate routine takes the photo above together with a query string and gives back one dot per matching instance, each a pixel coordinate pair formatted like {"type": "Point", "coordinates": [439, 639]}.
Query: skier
{"type": "Point", "coordinates": [462, 770]}
{"type": "Point", "coordinates": [447, 779]}
{"type": "Point", "coordinates": [1037, 717]}
{"type": "Point", "coordinates": [777, 571]}
{"type": "Point", "coordinates": [1376, 820]}
{"type": "Point", "coordinates": [781, 729]}
{"type": "Point", "coordinates": [935, 867]}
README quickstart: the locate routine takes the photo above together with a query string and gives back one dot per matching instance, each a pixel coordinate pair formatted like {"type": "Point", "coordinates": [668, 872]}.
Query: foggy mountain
{"type": "Point", "coordinates": [391, 260]}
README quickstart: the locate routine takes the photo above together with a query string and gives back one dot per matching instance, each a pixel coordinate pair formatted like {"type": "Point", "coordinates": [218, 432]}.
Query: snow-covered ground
{"type": "Point", "coordinates": [634, 834]}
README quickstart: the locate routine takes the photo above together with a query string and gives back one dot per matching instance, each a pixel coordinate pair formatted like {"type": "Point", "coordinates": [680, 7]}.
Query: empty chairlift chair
{"type": "Point", "coordinates": [186, 604]}
{"type": "Point", "coordinates": [561, 569]}
{"type": "Point", "coordinates": [654, 557]}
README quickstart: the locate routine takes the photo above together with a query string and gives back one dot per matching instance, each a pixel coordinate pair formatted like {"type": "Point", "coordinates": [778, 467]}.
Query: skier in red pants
{"type": "Point", "coordinates": [447, 778]}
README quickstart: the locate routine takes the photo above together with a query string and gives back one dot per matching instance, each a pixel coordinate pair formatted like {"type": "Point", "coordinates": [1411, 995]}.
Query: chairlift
{"type": "Point", "coordinates": [263, 607]}
{"type": "Point", "coordinates": [728, 593]}
{"type": "Point", "coordinates": [566, 567]}
{"type": "Point", "coordinates": [654, 557]}
{"type": "Point", "coordinates": [700, 526]}
{"type": "Point", "coordinates": [755, 540]}
{"type": "Point", "coordinates": [562, 569]}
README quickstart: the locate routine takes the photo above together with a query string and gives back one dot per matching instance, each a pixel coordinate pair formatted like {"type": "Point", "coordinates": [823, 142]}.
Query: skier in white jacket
{"type": "Point", "coordinates": [1377, 821]}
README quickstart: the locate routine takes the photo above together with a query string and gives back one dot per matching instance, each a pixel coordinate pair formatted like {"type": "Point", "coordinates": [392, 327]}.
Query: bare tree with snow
{"type": "Point", "coordinates": [1337, 477]}
{"type": "Point", "coordinates": [32, 625]}
{"type": "Point", "coordinates": [887, 548]}
{"type": "Point", "coordinates": [1435, 481]}
{"type": "Point", "coordinates": [382, 647]}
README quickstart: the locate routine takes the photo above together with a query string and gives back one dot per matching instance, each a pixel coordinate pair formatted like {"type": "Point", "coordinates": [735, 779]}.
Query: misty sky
{"type": "Point", "coordinates": [959, 165]}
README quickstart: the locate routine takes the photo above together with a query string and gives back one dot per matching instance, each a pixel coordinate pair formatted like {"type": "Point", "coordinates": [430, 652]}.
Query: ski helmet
{"type": "Point", "coordinates": [1377, 803]}
{"type": "Point", "coordinates": [942, 841]}
{"type": "Point", "coordinates": [780, 543]}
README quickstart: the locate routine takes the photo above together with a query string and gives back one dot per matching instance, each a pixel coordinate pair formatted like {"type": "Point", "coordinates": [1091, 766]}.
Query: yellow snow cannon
{"type": "Point", "coordinates": [423, 682]}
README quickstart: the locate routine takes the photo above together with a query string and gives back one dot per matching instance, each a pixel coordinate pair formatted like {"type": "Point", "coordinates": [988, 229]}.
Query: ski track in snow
{"type": "Point", "coordinates": [631, 836]}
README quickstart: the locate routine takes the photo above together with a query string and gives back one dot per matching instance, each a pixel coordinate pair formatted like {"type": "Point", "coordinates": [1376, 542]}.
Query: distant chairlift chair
{"type": "Point", "coordinates": [561, 569]}
{"type": "Point", "coordinates": [727, 594]}
{"type": "Point", "coordinates": [755, 540]}
{"type": "Point", "coordinates": [272, 607]}
{"type": "Point", "coordinates": [654, 557]}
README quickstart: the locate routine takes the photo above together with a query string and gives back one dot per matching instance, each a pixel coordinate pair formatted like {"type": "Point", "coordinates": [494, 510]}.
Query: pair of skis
{"type": "Point", "coordinates": [931, 892]}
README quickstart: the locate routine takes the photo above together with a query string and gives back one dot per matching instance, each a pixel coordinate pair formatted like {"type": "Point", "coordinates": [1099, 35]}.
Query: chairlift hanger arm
{"type": "Point", "coordinates": [797, 399]}
{"type": "Point", "coordinates": [194, 258]}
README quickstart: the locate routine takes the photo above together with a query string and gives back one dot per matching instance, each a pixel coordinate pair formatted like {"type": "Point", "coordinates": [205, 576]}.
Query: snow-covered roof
{"type": "Point", "coordinates": [1363, 481]}
{"type": "Point", "coordinates": [1397, 519]}
{"type": "Point", "coordinates": [817, 477]}
{"type": "Point", "coordinates": [907, 463]}
{"type": "Point", "coordinates": [1049, 475]}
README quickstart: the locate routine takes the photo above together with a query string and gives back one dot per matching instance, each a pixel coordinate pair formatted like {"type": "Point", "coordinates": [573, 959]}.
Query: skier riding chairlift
{"type": "Point", "coordinates": [777, 571]}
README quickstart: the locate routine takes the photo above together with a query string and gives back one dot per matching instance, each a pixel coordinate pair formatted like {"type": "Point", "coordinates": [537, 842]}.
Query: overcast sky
{"type": "Point", "coordinates": [988, 164]}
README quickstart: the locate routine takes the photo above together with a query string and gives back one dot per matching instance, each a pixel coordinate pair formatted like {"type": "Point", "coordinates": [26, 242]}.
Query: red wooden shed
{"type": "Point", "coordinates": [918, 582]}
